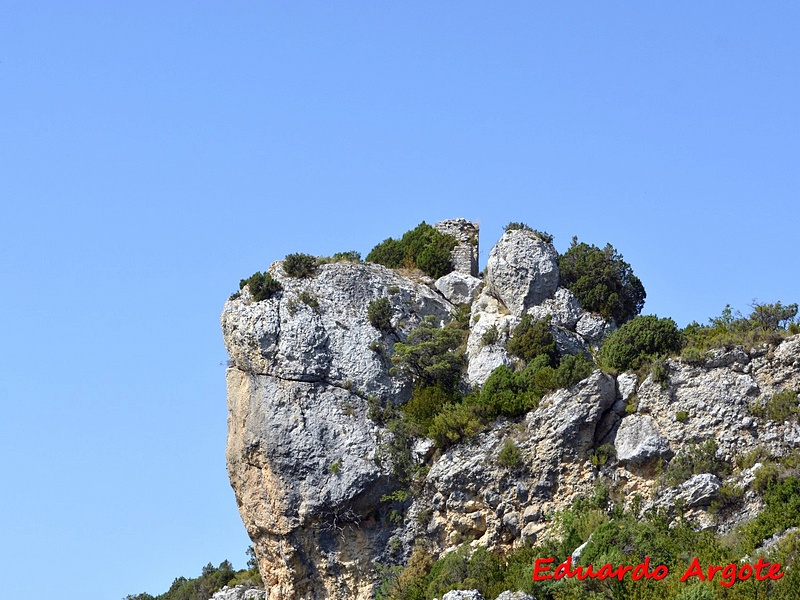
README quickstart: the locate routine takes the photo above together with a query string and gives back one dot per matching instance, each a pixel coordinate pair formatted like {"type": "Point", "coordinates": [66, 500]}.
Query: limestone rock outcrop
{"type": "Point", "coordinates": [301, 450]}
{"type": "Point", "coordinates": [239, 592]}
{"type": "Point", "coordinates": [522, 270]}
{"type": "Point", "coordinates": [639, 441]}
{"type": "Point", "coordinates": [308, 460]}
{"type": "Point", "coordinates": [458, 288]}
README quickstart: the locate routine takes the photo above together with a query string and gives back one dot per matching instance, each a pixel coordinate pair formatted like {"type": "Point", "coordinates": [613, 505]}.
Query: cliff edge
{"type": "Point", "coordinates": [321, 474]}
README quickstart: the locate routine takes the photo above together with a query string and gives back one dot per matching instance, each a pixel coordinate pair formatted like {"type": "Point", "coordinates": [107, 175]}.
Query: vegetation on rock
{"type": "Point", "coordinates": [431, 355]}
{"type": "Point", "coordinates": [379, 313]}
{"type": "Point", "coordinates": [542, 235]}
{"type": "Point", "coordinates": [767, 323]}
{"type": "Point", "coordinates": [300, 265]}
{"type": "Point", "coordinates": [423, 247]}
{"type": "Point", "coordinates": [261, 285]}
{"type": "Point", "coordinates": [638, 341]}
{"type": "Point", "coordinates": [618, 537]}
{"type": "Point", "coordinates": [602, 281]}
{"type": "Point", "coordinates": [532, 338]}
{"type": "Point", "coordinates": [210, 581]}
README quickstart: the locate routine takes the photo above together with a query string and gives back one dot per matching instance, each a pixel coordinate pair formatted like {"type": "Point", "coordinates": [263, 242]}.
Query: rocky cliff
{"type": "Point", "coordinates": [307, 458]}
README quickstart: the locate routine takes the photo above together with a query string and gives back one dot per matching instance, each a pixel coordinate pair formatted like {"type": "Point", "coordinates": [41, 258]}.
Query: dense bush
{"type": "Point", "coordinates": [530, 339]}
{"type": "Point", "coordinates": [423, 247]}
{"type": "Point", "coordinates": [426, 403]}
{"type": "Point", "coordinates": [510, 393]}
{"type": "Point", "coordinates": [695, 459]}
{"type": "Point", "coordinates": [211, 580]}
{"type": "Point", "coordinates": [261, 285]}
{"type": "Point", "coordinates": [379, 313]}
{"type": "Point", "coordinates": [454, 423]}
{"type": "Point", "coordinates": [300, 265]}
{"type": "Point", "coordinates": [781, 406]}
{"type": "Point", "coordinates": [510, 455]}
{"type": "Point", "coordinates": [637, 341]}
{"type": "Point", "coordinates": [431, 355]}
{"type": "Point", "coordinates": [772, 317]}
{"type": "Point", "coordinates": [782, 511]}
{"type": "Point", "coordinates": [602, 281]}
{"type": "Point", "coordinates": [767, 323]}
{"type": "Point", "coordinates": [513, 393]}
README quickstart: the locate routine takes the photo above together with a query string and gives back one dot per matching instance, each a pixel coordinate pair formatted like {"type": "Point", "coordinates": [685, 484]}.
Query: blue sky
{"type": "Point", "coordinates": [155, 153]}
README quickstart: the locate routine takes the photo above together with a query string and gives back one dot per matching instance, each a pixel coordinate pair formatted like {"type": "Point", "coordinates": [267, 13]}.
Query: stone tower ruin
{"type": "Point", "coordinates": [465, 255]}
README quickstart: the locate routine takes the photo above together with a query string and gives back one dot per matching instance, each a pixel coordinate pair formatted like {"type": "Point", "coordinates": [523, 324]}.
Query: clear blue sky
{"type": "Point", "coordinates": [155, 153]}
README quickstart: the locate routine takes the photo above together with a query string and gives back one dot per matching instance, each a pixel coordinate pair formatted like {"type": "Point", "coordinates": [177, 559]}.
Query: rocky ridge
{"type": "Point", "coordinates": [306, 365]}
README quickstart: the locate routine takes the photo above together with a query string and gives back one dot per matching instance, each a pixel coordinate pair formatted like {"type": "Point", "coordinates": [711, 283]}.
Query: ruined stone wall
{"type": "Point", "coordinates": [465, 255]}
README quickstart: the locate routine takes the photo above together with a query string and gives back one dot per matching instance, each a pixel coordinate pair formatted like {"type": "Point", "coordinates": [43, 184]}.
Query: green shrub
{"type": "Point", "coordinates": [530, 339]}
{"type": "Point", "coordinates": [772, 317]}
{"type": "Point", "coordinates": [379, 313]}
{"type": "Point", "coordinates": [782, 406]}
{"type": "Point", "coordinates": [658, 368]}
{"type": "Point", "coordinates": [261, 285]}
{"type": "Point", "coordinates": [515, 225]}
{"type": "Point", "coordinates": [695, 459]}
{"type": "Point", "coordinates": [602, 454]}
{"type": "Point", "coordinates": [211, 580]}
{"type": "Point", "coordinates": [350, 256]}
{"type": "Point", "coordinates": [766, 476]}
{"type": "Point", "coordinates": [510, 455]}
{"type": "Point", "coordinates": [309, 300]}
{"type": "Point", "coordinates": [681, 416]}
{"type": "Point", "coordinates": [571, 369]}
{"type": "Point", "coordinates": [767, 323]}
{"type": "Point", "coordinates": [300, 265]}
{"type": "Point", "coordinates": [409, 582]}
{"type": "Point", "coordinates": [426, 403]}
{"type": "Point", "coordinates": [513, 393]}
{"type": "Point", "coordinates": [782, 511]}
{"type": "Point", "coordinates": [395, 449]}
{"type": "Point", "coordinates": [728, 495]}
{"type": "Point", "coordinates": [693, 355]}
{"type": "Point", "coordinates": [431, 355]}
{"type": "Point", "coordinates": [508, 393]}
{"type": "Point", "coordinates": [644, 337]}
{"type": "Point", "coordinates": [490, 336]}
{"type": "Point", "coordinates": [757, 455]}
{"type": "Point", "coordinates": [454, 423]}
{"type": "Point", "coordinates": [462, 313]}
{"type": "Point", "coordinates": [602, 281]}
{"type": "Point", "coordinates": [423, 247]}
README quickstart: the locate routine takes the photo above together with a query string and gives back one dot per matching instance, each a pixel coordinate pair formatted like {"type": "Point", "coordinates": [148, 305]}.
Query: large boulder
{"type": "Point", "coordinates": [639, 441]}
{"type": "Point", "coordinates": [522, 270]}
{"type": "Point", "coordinates": [563, 309]}
{"type": "Point", "coordinates": [458, 288]}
